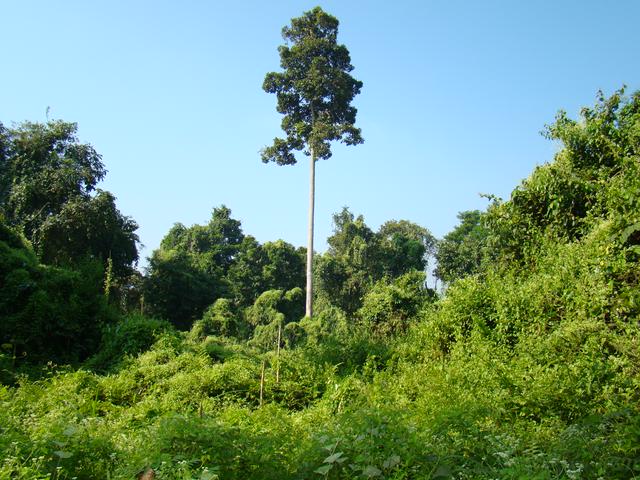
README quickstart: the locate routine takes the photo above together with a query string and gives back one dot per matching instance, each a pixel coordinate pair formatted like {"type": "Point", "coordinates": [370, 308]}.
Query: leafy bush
{"type": "Point", "coordinates": [270, 314]}
{"type": "Point", "coordinates": [389, 306]}
{"type": "Point", "coordinates": [221, 318]}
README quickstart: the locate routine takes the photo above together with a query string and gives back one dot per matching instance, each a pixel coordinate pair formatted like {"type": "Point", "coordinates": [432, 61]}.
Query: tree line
{"type": "Point", "coordinates": [59, 226]}
{"type": "Point", "coordinates": [69, 255]}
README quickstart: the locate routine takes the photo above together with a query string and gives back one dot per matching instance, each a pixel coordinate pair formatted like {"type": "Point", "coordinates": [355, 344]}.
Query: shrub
{"type": "Point", "coordinates": [131, 336]}
{"type": "Point", "coordinates": [221, 318]}
{"type": "Point", "coordinates": [388, 307]}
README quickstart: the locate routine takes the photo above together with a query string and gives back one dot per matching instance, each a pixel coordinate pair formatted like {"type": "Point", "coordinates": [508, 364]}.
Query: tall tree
{"type": "Point", "coordinates": [314, 93]}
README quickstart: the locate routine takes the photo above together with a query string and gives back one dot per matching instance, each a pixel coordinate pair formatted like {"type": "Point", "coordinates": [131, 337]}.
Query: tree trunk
{"type": "Point", "coordinates": [312, 187]}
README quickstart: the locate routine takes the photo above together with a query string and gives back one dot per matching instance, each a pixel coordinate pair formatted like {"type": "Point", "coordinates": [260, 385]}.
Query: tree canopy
{"type": "Point", "coordinates": [462, 251]}
{"type": "Point", "coordinates": [358, 257]}
{"type": "Point", "coordinates": [48, 191]}
{"type": "Point", "coordinates": [314, 90]}
{"type": "Point", "coordinates": [198, 265]}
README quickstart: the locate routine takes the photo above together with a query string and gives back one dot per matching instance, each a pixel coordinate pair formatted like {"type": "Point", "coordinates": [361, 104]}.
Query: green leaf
{"type": "Point", "coordinates": [391, 462]}
{"type": "Point", "coordinates": [371, 471]}
{"type": "Point", "coordinates": [61, 454]}
{"type": "Point", "coordinates": [324, 469]}
{"type": "Point", "coordinates": [442, 471]}
{"type": "Point", "coordinates": [333, 458]}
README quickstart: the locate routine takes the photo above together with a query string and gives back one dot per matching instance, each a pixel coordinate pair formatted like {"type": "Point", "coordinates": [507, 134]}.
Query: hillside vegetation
{"type": "Point", "coordinates": [527, 365]}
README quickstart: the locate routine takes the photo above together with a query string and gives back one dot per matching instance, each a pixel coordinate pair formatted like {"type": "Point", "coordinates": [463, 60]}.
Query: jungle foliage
{"type": "Point", "coordinates": [525, 366]}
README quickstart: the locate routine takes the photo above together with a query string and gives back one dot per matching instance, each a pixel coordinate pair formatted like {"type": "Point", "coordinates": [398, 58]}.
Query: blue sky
{"type": "Point", "coordinates": [455, 95]}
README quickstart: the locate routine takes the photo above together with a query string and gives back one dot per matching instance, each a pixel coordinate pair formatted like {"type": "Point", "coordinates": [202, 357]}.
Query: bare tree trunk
{"type": "Point", "coordinates": [312, 188]}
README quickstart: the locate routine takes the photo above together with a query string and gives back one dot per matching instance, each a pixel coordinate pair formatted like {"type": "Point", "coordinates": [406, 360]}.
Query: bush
{"type": "Point", "coordinates": [221, 318]}
{"type": "Point", "coordinates": [132, 335]}
{"type": "Point", "coordinates": [389, 307]}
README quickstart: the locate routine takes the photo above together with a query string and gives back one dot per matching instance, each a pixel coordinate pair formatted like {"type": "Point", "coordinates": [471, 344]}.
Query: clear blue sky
{"type": "Point", "coordinates": [455, 95]}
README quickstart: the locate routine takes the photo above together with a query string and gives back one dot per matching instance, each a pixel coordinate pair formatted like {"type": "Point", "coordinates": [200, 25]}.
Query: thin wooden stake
{"type": "Point", "coordinates": [278, 351]}
{"type": "Point", "coordinates": [264, 362]}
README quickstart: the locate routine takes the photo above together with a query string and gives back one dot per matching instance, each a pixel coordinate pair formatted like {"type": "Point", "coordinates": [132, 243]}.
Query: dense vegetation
{"type": "Point", "coordinates": [526, 365]}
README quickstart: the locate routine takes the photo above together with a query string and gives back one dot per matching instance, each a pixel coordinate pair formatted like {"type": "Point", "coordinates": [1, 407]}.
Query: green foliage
{"type": "Point", "coordinates": [198, 265]}
{"type": "Point", "coordinates": [293, 334]}
{"type": "Point", "coordinates": [48, 313]}
{"type": "Point", "coordinates": [245, 276]}
{"type": "Point", "coordinates": [187, 273]}
{"type": "Point", "coordinates": [270, 314]}
{"type": "Point", "coordinates": [211, 247]}
{"type": "Point", "coordinates": [463, 251]}
{"type": "Point", "coordinates": [314, 90]}
{"type": "Point", "coordinates": [91, 227]}
{"type": "Point", "coordinates": [221, 318]}
{"type": "Point", "coordinates": [284, 269]}
{"type": "Point", "coordinates": [132, 335]}
{"type": "Point", "coordinates": [389, 307]}
{"type": "Point", "coordinates": [405, 246]}
{"type": "Point", "coordinates": [47, 167]}
{"type": "Point", "coordinates": [530, 370]}
{"type": "Point", "coordinates": [561, 200]}
{"type": "Point", "coordinates": [176, 290]}
{"type": "Point", "coordinates": [607, 133]}
{"type": "Point", "coordinates": [258, 268]}
{"type": "Point", "coordinates": [359, 257]}
{"type": "Point", "coordinates": [266, 308]}
{"type": "Point", "coordinates": [47, 180]}
{"type": "Point", "coordinates": [292, 306]}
